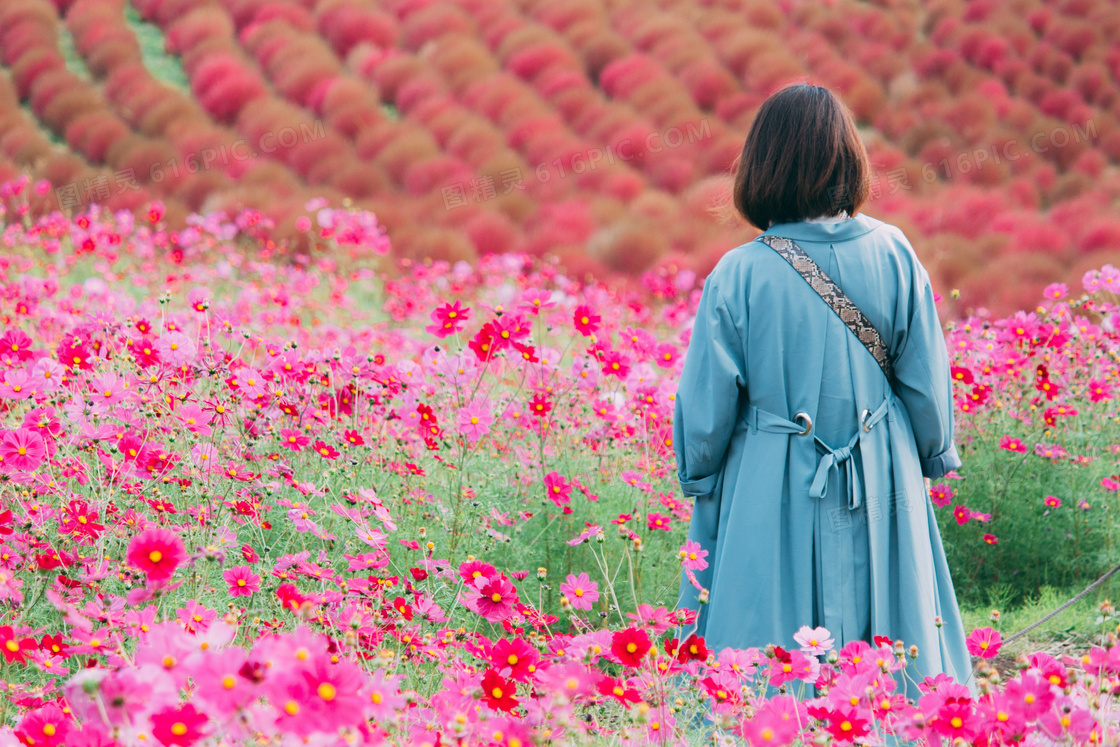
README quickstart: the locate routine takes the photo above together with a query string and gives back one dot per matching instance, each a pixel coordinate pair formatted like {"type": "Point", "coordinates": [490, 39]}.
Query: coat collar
{"type": "Point", "coordinates": [852, 228]}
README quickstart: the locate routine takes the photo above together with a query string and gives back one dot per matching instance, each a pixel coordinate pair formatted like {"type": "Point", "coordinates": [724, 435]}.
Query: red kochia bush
{"type": "Point", "coordinates": [200, 24]}
{"type": "Point", "coordinates": [622, 76]}
{"type": "Point", "coordinates": [344, 24]}
{"type": "Point", "coordinates": [433, 22]}
{"type": "Point", "coordinates": [530, 62]}
{"type": "Point", "coordinates": [708, 82]}
{"type": "Point", "coordinates": [491, 232]}
{"type": "Point", "coordinates": [294, 15]}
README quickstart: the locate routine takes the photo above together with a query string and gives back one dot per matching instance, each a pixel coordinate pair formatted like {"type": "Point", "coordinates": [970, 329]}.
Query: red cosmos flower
{"type": "Point", "coordinates": [157, 552]}
{"type": "Point", "coordinates": [586, 321]}
{"type": "Point", "coordinates": [80, 521]}
{"type": "Point", "coordinates": [1043, 384]}
{"type": "Point", "coordinates": [630, 645]}
{"type": "Point", "coordinates": [418, 574]}
{"type": "Point", "coordinates": [6, 520]}
{"type": "Point", "coordinates": [325, 450]}
{"type": "Point", "coordinates": [353, 438]}
{"type": "Point", "coordinates": [498, 692]}
{"type": "Point", "coordinates": [990, 539]}
{"type": "Point", "coordinates": [980, 393]}
{"type": "Point", "coordinates": [179, 726]}
{"type": "Point", "coordinates": [1051, 414]}
{"type": "Point", "coordinates": [400, 604]}
{"type": "Point", "coordinates": [655, 520]}
{"type": "Point", "coordinates": [482, 344]}
{"type": "Point", "coordinates": [618, 690]}
{"type": "Point", "coordinates": [961, 374]}
{"type": "Point", "coordinates": [448, 319]}
{"type": "Point", "coordinates": [540, 406]}
{"type": "Point", "coordinates": [73, 353]}
{"type": "Point", "coordinates": [15, 649]}
{"type": "Point", "coordinates": [249, 554]}
{"type": "Point", "coordinates": [516, 656]}
{"type": "Point", "coordinates": [290, 598]}
{"type": "Point", "coordinates": [693, 649]}
{"type": "Point", "coordinates": [53, 644]}
{"type": "Point", "coordinates": [1012, 444]}
{"type": "Point", "coordinates": [845, 724]}
{"type": "Point", "coordinates": [962, 515]}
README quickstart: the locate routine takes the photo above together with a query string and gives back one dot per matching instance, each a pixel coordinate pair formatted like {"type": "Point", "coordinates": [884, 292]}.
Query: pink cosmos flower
{"type": "Point", "coordinates": [17, 384]}
{"type": "Point", "coordinates": [586, 535]}
{"type": "Point", "coordinates": [219, 681]}
{"type": "Point", "coordinates": [448, 319]}
{"type": "Point", "coordinates": [494, 600]}
{"type": "Point", "coordinates": [534, 300]}
{"type": "Point", "coordinates": [941, 495]}
{"type": "Point", "coordinates": [580, 591]}
{"type": "Point", "coordinates": [325, 450]}
{"type": "Point", "coordinates": [293, 439]}
{"type": "Point", "coordinates": [47, 375]}
{"type": "Point", "coordinates": [558, 489]}
{"type": "Point", "coordinates": [1012, 444]}
{"type": "Point", "coordinates": [475, 419]}
{"type": "Point", "coordinates": [814, 641]}
{"type": "Point", "coordinates": [176, 349]}
{"type": "Point", "coordinates": [157, 552]}
{"type": "Point", "coordinates": [1030, 693]}
{"type": "Point", "coordinates": [692, 556]}
{"type": "Point", "coordinates": [1100, 390]}
{"type": "Point", "coordinates": [984, 642]}
{"type": "Point", "coordinates": [110, 389]}
{"type": "Point", "coordinates": [319, 696]}
{"type": "Point", "coordinates": [962, 515]}
{"type": "Point", "coordinates": [22, 450]}
{"type": "Point", "coordinates": [195, 419]}
{"type": "Point", "coordinates": [252, 383]}
{"type": "Point", "coordinates": [243, 582]}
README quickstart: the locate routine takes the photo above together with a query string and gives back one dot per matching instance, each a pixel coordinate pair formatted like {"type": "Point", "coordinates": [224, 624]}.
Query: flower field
{"type": "Point", "coordinates": [597, 133]}
{"type": "Point", "coordinates": [312, 501]}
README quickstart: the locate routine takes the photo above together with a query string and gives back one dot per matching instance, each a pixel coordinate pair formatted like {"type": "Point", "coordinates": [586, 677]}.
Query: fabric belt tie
{"type": "Point", "coordinates": [832, 459]}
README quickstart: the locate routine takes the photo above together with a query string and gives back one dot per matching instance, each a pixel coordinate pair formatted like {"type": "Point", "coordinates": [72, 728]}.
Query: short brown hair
{"type": "Point", "coordinates": [803, 159]}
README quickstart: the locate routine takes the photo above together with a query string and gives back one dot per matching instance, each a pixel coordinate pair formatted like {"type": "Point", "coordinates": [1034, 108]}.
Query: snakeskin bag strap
{"type": "Point", "coordinates": [828, 290]}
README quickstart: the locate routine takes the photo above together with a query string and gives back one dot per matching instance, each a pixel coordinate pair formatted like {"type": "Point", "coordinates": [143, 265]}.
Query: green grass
{"type": "Point", "coordinates": [163, 66]}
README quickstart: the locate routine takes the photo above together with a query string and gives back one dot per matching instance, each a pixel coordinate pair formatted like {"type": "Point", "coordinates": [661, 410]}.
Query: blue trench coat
{"type": "Point", "coordinates": [833, 527]}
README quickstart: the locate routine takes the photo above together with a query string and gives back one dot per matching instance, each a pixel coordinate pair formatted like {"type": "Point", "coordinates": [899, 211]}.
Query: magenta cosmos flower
{"type": "Point", "coordinates": [242, 581]}
{"type": "Point", "coordinates": [984, 642]}
{"type": "Point", "coordinates": [22, 450]}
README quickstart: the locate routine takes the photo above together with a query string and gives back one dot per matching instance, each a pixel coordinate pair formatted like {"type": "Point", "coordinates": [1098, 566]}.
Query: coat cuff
{"type": "Point", "coordinates": [942, 464]}
{"type": "Point", "coordinates": [702, 486]}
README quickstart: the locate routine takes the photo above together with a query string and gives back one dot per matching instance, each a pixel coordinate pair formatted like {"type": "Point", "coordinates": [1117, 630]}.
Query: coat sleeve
{"type": "Point", "coordinates": [923, 381]}
{"type": "Point", "coordinates": [708, 395]}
